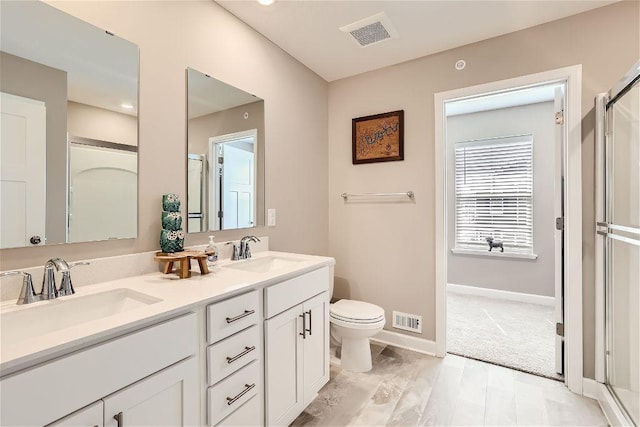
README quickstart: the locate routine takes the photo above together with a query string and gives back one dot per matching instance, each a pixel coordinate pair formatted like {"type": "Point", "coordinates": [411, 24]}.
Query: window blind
{"type": "Point", "coordinates": [494, 193]}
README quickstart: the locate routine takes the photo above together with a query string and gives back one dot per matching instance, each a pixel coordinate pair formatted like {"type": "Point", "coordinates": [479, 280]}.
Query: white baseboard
{"type": "Point", "coordinates": [419, 345]}
{"type": "Point", "coordinates": [600, 392]}
{"type": "Point", "coordinates": [495, 293]}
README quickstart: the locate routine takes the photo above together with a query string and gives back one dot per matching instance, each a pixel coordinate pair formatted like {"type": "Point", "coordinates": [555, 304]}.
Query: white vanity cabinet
{"type": "Point", "coordinates": [144, 374]}
{"type": "Point", "coordinates": [234, 361]}
{"type": "Point", "coordinates": [296, 344]}
{"type": "Point", "coordinates": [166, 398]}
{"type": "Point", "coordinates": [91, 416]}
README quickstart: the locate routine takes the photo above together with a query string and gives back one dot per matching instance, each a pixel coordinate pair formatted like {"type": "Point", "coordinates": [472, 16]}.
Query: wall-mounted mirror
{"type": "Point", "coordinates": [69, 141]}
{"type": "Point", "coordinates": [225, 161]}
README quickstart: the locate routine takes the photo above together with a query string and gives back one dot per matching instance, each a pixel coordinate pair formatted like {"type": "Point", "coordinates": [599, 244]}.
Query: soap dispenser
{"type": "Point", "coordinates": [212, 251]}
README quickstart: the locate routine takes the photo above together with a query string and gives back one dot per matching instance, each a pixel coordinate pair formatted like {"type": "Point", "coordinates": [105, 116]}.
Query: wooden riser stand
{"type": "Point", "coordinates": [184, 262]}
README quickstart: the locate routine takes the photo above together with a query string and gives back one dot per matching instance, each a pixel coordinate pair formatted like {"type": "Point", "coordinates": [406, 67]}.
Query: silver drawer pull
{"type": "Point", "coordinates": [247, 350]}
{"type": "Point", "coordinates": [232, 400]}
{"type": "Point", "coordinates": [240, 316]}
{"type": "Point", "coordinates": [119, 419]}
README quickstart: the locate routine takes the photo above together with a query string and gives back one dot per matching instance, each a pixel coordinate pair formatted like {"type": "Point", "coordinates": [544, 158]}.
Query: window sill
{"type": "Point", "coordinates": [476, 252]}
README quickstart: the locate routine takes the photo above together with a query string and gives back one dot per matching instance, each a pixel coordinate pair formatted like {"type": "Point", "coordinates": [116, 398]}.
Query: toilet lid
{"type": "Point", "coordinates": [356, 311]}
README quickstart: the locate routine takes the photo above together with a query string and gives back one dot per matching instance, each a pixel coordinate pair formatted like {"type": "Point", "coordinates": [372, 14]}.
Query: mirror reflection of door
{"type": "Point", "coordinates": [22, 171]}
{"type": "Point", "coordinates": [102, 190]}
{"type": "Point", "coordinates": [196, 173]}
{"type": "Point", "coordinates": [233, 186]}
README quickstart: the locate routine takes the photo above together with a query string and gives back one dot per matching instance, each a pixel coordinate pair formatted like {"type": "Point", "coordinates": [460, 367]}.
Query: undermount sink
{"type": "Point", "coordinates": [265, 264]}
{"type": "Point", "coordinates": [50, 316]}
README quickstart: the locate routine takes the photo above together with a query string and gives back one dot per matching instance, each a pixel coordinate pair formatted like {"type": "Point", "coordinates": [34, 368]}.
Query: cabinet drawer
{"type": "Point", "coordinates": [278, 298]}
{"type": "Point", "coordinates": [228, 395]}
{"type": "Point", "coordinates": [247, 415]}
{"type": "Point", "coordinates": [231, 354]}
{"type": "Point", "coordinates": [227, 317]}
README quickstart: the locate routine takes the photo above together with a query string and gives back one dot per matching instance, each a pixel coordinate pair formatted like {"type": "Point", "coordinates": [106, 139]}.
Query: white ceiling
{"type": "Point", "coordinates": [309, 30]}
{"type": "Point", "coordinates": [102, 69]}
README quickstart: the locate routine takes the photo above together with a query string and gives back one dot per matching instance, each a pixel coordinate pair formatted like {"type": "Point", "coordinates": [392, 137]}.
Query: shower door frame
{"type": "Point", "coordinates": [608, 400]}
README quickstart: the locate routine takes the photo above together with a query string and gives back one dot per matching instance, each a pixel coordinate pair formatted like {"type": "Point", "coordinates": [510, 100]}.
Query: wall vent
{"type": "Point", "coordinates": [371, 30]}
{"type": "Point", "coordinates": [407, 322]}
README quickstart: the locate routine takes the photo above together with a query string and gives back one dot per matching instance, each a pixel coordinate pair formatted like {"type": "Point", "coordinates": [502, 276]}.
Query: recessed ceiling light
{"type": "Point", "coordinates": [127, 106]}
{"type": "Point", "coordinates": [266, 2]}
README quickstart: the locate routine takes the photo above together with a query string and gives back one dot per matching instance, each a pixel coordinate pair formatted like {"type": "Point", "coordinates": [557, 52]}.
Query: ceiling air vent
{"type": "Point", "coordinates": [371, 30]}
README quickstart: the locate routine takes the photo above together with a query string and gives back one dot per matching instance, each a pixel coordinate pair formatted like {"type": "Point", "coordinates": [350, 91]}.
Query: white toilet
{"type": "Point", "coordinates": [352, 324]}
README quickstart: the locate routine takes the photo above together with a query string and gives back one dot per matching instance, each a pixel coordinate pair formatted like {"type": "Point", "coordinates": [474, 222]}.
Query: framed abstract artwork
{"type": "Point", "coordinates": [378, 138]}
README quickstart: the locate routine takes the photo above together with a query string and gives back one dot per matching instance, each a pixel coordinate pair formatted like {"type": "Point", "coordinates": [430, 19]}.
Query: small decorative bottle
{"type": "Point", "coordinates": [212, 251]}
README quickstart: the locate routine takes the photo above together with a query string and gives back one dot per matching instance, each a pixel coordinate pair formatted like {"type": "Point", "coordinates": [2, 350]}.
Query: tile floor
{"type": "Point", "coordinates": [405, 388]}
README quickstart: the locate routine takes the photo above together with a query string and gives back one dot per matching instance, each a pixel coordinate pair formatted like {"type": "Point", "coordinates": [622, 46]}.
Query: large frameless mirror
{"type": "Point", "coordinates": [225, 156]}
{"type": "Point", "coordinates": [69, 142]}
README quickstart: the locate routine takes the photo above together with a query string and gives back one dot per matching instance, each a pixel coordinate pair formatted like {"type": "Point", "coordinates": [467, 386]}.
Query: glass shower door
{"type": "Point", "coordinates": [622, 246]}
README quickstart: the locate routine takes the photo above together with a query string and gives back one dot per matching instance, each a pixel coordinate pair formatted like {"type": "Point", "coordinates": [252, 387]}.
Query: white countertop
{"type": "Point", "coordinates": [177, 295]}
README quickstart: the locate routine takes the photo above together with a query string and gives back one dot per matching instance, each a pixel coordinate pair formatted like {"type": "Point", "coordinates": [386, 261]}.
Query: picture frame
{"type": "Point", "coordinates": [378, 138]}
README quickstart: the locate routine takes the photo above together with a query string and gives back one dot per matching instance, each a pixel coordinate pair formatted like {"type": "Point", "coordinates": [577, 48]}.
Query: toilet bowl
{"type": "Point", "coordinates": [352, 324]}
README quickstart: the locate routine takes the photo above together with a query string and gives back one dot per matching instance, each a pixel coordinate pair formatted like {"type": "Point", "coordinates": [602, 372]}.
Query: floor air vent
{"type": "Point", "coordinates": [407, 322]}
{"type": "Point", "coordinates": [371, 30]}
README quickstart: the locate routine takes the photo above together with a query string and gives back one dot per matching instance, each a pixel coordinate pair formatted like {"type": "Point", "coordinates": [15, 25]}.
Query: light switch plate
{"type": "Point", "coordinates": [271, 217]}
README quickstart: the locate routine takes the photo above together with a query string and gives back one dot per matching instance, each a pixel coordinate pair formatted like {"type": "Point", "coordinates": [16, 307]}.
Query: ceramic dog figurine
{"type": "Point", "coordinates": [495, 244]}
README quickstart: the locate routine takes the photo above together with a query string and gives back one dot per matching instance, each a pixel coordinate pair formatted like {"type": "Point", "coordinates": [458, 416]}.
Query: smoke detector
{"type": "Point", "coordinates": [371, 30]}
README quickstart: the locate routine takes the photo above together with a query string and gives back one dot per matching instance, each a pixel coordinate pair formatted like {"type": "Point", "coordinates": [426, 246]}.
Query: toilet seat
{"type": "Point", "coordinates": [356, 312]}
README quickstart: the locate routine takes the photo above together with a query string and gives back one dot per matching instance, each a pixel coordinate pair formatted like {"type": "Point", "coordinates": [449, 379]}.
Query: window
{"type": "Point", "coordinates": [494, 193]}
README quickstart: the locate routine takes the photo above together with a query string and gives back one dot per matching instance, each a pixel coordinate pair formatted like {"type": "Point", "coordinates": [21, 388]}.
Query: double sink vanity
{"type": "Point", "coordinates": [247, 344]}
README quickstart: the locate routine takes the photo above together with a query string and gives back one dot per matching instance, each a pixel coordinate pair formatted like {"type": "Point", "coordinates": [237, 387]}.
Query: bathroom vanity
{"type": "Point", "coordinates": [245, 345]}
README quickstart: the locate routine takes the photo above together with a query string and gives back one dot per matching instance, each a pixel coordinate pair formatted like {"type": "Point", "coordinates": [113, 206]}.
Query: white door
{"type": "Point", "coordinates": [238, 187]}
{"type": "Point", "coordinates": [559, 107]}
{"type": "Point", "coordinates": [168, 398]}
{"type": "Point", "coordinates": [22, 171]}
{"type": "Point", "coordinates": [315, 345]}
{"type": "Point", "coordinates": [103, 187]}
{"type": "Point", "coordinates": [283, 367]}
{"type": "Point", "coordinates": [90, 416]}
{"type": "Point", "coordinates": [196, 171]}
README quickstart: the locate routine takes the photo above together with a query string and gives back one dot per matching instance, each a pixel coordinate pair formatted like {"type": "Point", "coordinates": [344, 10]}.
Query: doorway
{"type": "Point", "coordinates": [504, 193]}
{"type": "Point", "coordinates": [233, 182]}
{"type": "Point", "coordinates": [517, 212]}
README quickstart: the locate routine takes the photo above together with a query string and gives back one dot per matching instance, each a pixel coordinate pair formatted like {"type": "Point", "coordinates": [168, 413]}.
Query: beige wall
{"type": "Point", "coordinates": [36, 81]}
{"type": "Point", "coordinates": [530, 276]}
{"type": "Point", "coordinates": [173, 35]}
{"type": "Point", "coordinates": [87, 121]}
{"type": "Point", "coordinates": [385, 252]}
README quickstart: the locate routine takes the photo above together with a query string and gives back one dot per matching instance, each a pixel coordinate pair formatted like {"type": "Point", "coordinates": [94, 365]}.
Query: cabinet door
{"type": "Point", "coordinates": [168, 398]}
{"type": "Point", "coordinates": [315, 345]}
{"type": "Point", "coordinates": [90, 416]}
{"type": "Point", "coordinates": [283, 369]}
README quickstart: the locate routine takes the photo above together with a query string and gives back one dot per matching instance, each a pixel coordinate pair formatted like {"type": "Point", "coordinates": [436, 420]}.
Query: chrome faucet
{"type": "Point", "coordinates": [234, 251]}
{"type": "Point", "coordinates": [49, 290]}
{"type": "Point", "coordinates": [66, 287]}
{"type": "Point", "coordinates": [245, 250]}
{"type": "Point", "coordinates": [27, 293]}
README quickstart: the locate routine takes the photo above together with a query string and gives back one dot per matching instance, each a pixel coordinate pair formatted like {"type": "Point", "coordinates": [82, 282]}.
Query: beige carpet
{"type": "Point", "coordinates": [508, 333]}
